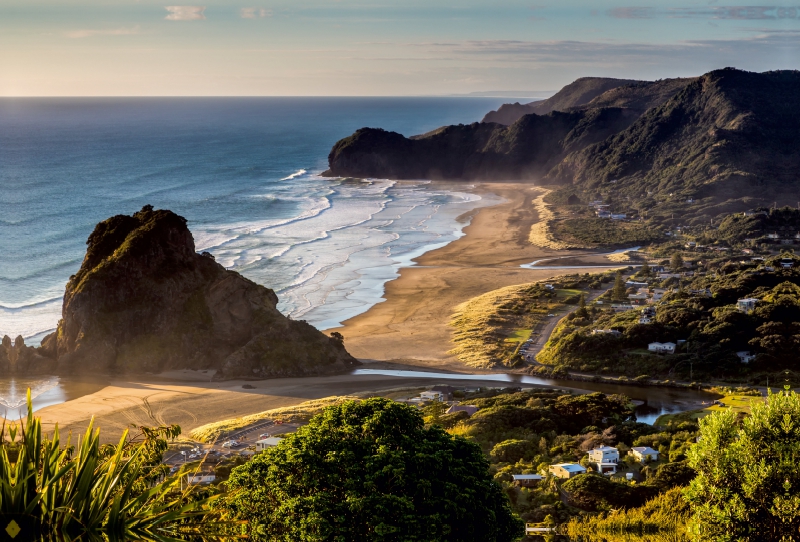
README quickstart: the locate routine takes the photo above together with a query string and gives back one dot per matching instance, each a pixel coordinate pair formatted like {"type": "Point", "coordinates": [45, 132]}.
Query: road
{"type": "Point", "coordinates": [538, 342]}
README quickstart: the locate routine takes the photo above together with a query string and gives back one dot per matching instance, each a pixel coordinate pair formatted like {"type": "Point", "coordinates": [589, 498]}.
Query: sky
{"type": "Point", "coordinates": [377, 47]}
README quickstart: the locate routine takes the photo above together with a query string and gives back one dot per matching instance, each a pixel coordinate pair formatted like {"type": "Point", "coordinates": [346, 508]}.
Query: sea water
{"type": "Point", "coordinates": [243, 171]}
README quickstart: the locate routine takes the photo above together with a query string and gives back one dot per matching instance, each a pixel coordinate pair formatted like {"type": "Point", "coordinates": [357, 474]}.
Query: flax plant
{"type": "Point", "coordinates": [92, 491]}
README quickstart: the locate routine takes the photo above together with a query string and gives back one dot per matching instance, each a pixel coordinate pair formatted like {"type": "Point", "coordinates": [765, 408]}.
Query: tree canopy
{"type": "Point", "coordinates": [748, 483]}
{"type": "Point", "coordinates": [371, 471]}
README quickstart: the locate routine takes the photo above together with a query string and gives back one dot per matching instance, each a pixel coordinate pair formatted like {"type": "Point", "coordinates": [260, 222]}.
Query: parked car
{"type": "Point", "coordinates": [264, 435]}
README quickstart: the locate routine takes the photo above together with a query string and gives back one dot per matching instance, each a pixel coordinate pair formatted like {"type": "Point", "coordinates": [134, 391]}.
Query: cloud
{"type": "Point", "coordinates": [185, 13]}
{"type": "Point", "coordinates": [739, 13]}
{"type": "Point", "coordinates": [79, 34]}
{"type": "Point", "coordinates": [632, 13]}
{"type": "Point", "coordinates": [696, 55]}
{"type": "Point", "coordinates": [255, 13]}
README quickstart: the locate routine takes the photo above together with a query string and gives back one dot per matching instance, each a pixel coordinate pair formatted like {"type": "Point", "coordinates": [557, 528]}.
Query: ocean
{"type": "Point", "coordinates": [243, 171]}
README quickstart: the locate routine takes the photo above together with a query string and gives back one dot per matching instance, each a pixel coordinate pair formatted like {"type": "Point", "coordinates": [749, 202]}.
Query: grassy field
{"type": "Point", "coordinates": [519, 336]}
{"type": "Point", "coordinates": [738, 403]}
{"type": "Point", "coordinates": [489, 328]}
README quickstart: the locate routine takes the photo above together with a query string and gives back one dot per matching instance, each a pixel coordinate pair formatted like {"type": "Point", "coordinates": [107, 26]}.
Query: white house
{"type": "Point", "coordinates": [268, 442]}
{"type": "Point", "coordinates": [203, 476]}
{"type": "Point", "coordinates": [644, 454]}
{"type": "Point", "coordinates": [662, 348]}
{"type": "Point", "coordinates": [432, 395]}
{"type": "Point", "coordinates": [526, 480]}
{"type": "Point", "coordinates": [745, 356]}
{"type": "Point", "coordinates": [645, 320]}
{"type": "Point", "coordinates": [605, 459]}
{"type": "Point", "coordinates": [746, 305]}
{"type": "Point", "coordinates": [566, 470]}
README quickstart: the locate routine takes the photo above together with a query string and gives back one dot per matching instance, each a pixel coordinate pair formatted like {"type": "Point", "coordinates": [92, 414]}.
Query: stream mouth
{"type": "Point", "coordinates": [46, 390]}
{"type": "Point", "coordinates": [538, 263]}
{"type": "Point", "coordinates": [651, 401]}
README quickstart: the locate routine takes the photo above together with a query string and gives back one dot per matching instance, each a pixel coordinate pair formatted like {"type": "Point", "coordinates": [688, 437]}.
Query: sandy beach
{"type": "Point", "coordinates": [408, 330]}
{"type": "Point", "coordinates": [412, 325]}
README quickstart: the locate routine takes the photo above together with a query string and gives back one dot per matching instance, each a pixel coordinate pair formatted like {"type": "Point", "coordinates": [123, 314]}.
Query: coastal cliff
{"type": "Point", "coordinates": [145, 301]}
{"type": "Point", "coordinates": [722, 142]}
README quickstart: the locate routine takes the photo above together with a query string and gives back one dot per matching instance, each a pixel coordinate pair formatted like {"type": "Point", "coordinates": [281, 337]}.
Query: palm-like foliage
{"type": "Point", "coordinates": [92, 490]}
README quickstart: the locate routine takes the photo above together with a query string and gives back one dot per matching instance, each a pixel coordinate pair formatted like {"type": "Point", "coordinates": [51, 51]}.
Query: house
{"type": "Point", "coordinates": [619, 216]}
{"type": "Point", "coordinates": [268, 442]}
{"type": "Point", "coordinates": [745, 356]}
{"type": "Point", "coordinates": [603, 214]}
{"type": "Point", "coordinates": [773, 236]}
{"type": "Point", "coordinates": [446, 391]}
{"type": "Point", "coordinates": [205, 475]}
{"type": "Point", "coordinates": [645, 320]}
{"type": "Point", "coordinates": [629, 283]}
{"type": "Point", "coordinates": [650, 312]}
{"type": "Point", "coordinates": [662, 348]}
{"type": "Point", "coordinates": [637, 299]}
{"type": "Point", "coordinates": [746, 305]}
{"type": "Point", "coordinates": [621, 308]}
{"type": "Point", "coordinates": [469, 409]}
{"type": "Point", "coordinates": [526, 480]}
{"type": "Point", "coordinates": [605, 459]}
{"type": "Point", "coordinates": [432, 396]}
{"type": "Point", "coordinates": [663, 276]}
{"type": "Point", "coordinates": [691, 244]}
{"type": "Point", "coordinates": [658, 293]}
{"type": "Point", "coordinates": [643, 454]}
{"type": "Point", "coordinates": [549, 287]}
{"type": "Point", "coordinates": [787, 263]}
{"type": "Point", "coordinates": [567, 470]}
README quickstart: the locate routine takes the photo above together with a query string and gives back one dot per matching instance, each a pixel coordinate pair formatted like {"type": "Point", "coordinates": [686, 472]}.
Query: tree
{"type": "Point", "coordinates": [371, 471]}
{"type": "Point", "coordinates": [676, 263]}
{"type": "Point", "coordinates": [582, 312]}
{"type": "Point", "coordinates": [644, 271]}
{"type": "Point", "coordinates": [747, 476]}
{"type": "Point", "coordinates": [618, 292]}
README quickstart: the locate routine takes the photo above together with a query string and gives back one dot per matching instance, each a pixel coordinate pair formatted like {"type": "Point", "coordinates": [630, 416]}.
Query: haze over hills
{"type": "Point", "coordinates": [725, 140]}
{"type": "Point", "coordinates": [145, 301]}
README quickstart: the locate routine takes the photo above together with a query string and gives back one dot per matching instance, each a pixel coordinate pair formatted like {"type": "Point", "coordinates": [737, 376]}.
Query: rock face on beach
{"type": "Point", "coordinates": [18, 358]}
{"type": "Point", "coordinates": [145, 301]}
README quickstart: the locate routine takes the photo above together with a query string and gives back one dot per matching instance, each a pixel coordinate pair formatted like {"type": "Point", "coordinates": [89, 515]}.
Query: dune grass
{"type": "Point", "coordinates": [541, 233]}
{"type": "Point", "coordinates": [490, 328]}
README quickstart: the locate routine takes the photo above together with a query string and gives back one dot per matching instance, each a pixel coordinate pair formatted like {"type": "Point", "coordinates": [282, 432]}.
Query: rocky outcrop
{"type": "Point", "coordinates": [145, 301]}
{"type": "Point", "coordinates": [18, 358]}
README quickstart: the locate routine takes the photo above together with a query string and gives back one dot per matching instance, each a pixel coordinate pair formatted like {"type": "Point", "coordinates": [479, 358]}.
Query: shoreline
{"type": "Point", "coordinates": [411, 325]}
{"type": "Point", "coordinates": [408, 329]}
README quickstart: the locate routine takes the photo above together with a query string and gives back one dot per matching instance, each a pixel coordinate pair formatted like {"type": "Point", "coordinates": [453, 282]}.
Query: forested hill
{"type": "Point", "coordinates": [579, 92]}
{"type": "Point", "coordinates": [726, 141]}
{"type": "Point", "coordinates": [729, 135]}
